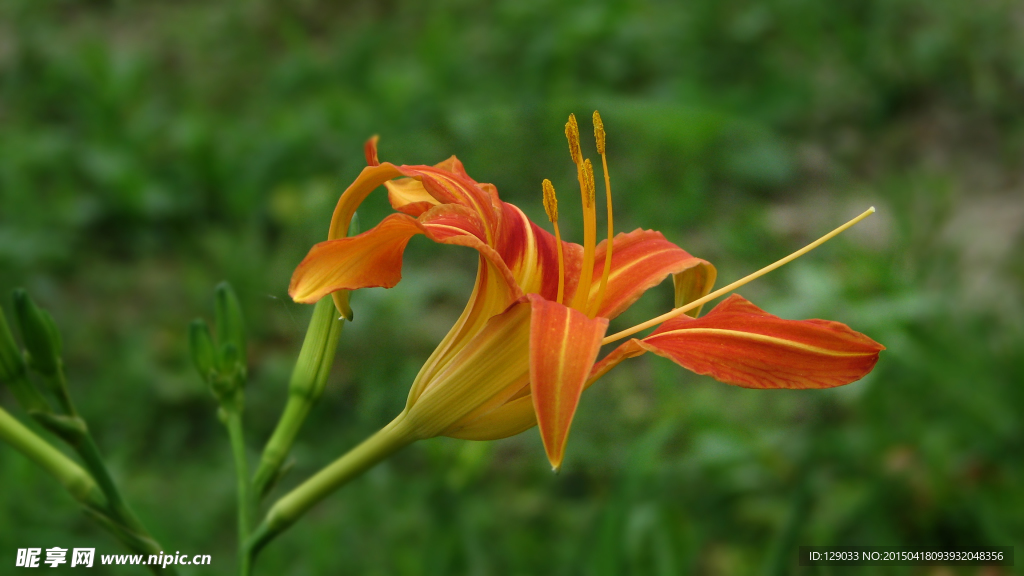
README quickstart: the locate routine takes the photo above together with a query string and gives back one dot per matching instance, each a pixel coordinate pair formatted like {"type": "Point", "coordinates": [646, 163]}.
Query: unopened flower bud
{"type": "Point", "coordinates": [38, 333]}
{"type": "Point", "coordinates": [200, 345]}
{"type": "Point", "coordinates": [230, 328]}
{"type": "Point", "coordinates": [12, 364]}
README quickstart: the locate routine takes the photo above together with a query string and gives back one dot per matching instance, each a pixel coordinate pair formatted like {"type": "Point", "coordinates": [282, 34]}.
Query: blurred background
{"type": "Point", "coordinates": [150, 150]}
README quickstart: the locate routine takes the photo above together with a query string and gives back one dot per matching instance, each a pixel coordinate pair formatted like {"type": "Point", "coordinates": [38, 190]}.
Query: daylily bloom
{"type": "Point", "coordinates": [526, 345]}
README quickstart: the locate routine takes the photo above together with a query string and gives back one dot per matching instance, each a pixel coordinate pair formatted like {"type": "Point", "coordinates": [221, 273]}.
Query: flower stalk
{"type": "Point", "coordinates": [223, 367]}
{"type": "Point", "coordinates": [309, 377]}
{"type": "Point", "coordinates": [290, 507]}
{"type": "Point", "coordinates": [70, 475]}
{"type": "Point", "coordinates": [94, 486]}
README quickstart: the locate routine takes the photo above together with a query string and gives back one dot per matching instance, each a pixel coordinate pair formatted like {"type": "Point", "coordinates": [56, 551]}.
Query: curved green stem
{"type": "Point", "coordinates": [293, 505]}
{"type": "Point", "coordinates": [73, 429]}
{"type": "Point", "coordinates": [305, 387]}
{"type": "Point", "coordinates": [71, 476]}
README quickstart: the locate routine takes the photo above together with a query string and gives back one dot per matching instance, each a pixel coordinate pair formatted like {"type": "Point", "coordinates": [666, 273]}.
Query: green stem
{"type": "Point", "coordinates": [304, 389]}
{"type": "Point", "coordinates": [58, 383]}
{"type": "Point", "coordinates": [75, 480]}
{"type": "Point", "coordinates": [73, 429]}
{"type": "Point", "coordinates": [293, 505]}
{"type": "Point", "coordinates": [235, 432]}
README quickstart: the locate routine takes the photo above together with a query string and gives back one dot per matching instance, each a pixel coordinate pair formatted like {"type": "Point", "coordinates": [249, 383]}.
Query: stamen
{"type": "Point", "coordinates": [572, 134]}
{"type": "Point", "coordinates": [551, 207]}
{"type": "Point", "coordinates": [588, 183]}
{"type": "Point", "coordinates": [701, 301]}
{"type": "Point", "coordinates": [599, 133]}
{"type": "Point", "coordinates": [579, 301]}
{"type": "Point", "coordinates": [599, 136]}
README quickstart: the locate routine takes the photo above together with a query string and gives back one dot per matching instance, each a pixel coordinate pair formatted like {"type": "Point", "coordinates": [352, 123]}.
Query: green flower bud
{"type": "Point", "coordinates": [39, 334]}
{"type": "Point", "coordinates": [230, 328]}
{"type": "Point", "coordinates": [200, 345]}
{"type": "Point", "coordinates": [12, 364]}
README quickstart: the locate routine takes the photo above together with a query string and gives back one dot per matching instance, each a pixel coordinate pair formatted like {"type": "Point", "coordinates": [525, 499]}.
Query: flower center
{"type": "Point", "coordinates": [585, 176]}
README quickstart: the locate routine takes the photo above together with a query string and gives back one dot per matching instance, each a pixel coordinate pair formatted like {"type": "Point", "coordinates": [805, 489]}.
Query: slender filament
{"type": "Point", "coordinates": [561, 264]}
{"type": "Point", "coordinates": [721, 291]}
{"type": "Point", "coordinates": [599, 136]}
{"type": "Point", "coordinates": [551, 207]}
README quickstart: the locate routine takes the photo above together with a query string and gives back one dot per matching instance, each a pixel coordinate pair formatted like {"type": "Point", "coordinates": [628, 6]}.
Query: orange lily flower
{"type": "Point", "coordinates": [526, 345]}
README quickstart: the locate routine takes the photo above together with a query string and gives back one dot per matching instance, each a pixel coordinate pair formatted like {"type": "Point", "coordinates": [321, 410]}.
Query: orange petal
{"type": "Point", "coordinates": [738, 343]}
{"type": "Point", "coordinates": [449, 186]}
{"type": "Point", "coordinates": [368, 180]}
{"type": "Point", "coordinates": [373, 258]}
{"type": "Point", "coordinates": [531, 255]}
{"type": "Point", "coordinates": [641, 259]}
{"type": "Point", "coordinates": [563, 346]}
{"type": "Point", "coordinates": [370, 151]}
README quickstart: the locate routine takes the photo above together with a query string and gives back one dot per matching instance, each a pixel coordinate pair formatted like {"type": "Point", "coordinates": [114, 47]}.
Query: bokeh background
{"type": "Point", "coordinates": [150, 150]}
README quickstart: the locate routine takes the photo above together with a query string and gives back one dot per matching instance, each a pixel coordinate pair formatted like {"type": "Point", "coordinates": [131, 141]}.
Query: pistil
{"type": "Point", "coordinates": [579, 301]}
{"type": "Point", "coordinates": [722, 291]}
{"type": "Point", "coordinates": [585, 176]}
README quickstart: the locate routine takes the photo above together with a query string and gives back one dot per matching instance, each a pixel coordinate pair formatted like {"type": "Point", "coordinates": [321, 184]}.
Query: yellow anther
{"type": "Point", "coordinates": [599, 132]}
{"type": "Point", "coordinates": [551, 207]}
{"type": "Point", "coordinates": [588, 183]}
{"type": "Point", "coordinates": [572, 134]}
{"type": "Point", "coordinates": [550, 201]}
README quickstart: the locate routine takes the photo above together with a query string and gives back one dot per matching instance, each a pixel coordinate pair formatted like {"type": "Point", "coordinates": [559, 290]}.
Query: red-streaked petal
{"type": "Point", "coordinates": [530, 253]}
{"type": "Point", "coordinates": [373, 258]}
{"type": "Point", "coordinates": [455, 187]}
{"type": "Point", "coordinates": [370, 151]}
{"type": "Point", "coordinates": [445, 223]}
{"type": "Point", "coordinates": [563, 346]}
{"type": "Point", "coordinates": [738, 343]}
{"type": "Point", "coordinates": [408, 194]}
{"type": "Point", "coordinates": [641, 260]}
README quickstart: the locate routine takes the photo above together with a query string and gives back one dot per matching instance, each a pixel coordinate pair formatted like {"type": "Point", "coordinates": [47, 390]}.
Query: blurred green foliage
{"type": "Point", "coordinates": [150, 150]}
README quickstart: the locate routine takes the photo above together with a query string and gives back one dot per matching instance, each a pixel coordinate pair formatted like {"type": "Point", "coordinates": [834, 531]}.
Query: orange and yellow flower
{"type": "Point", "coordinates": [527, 343]}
